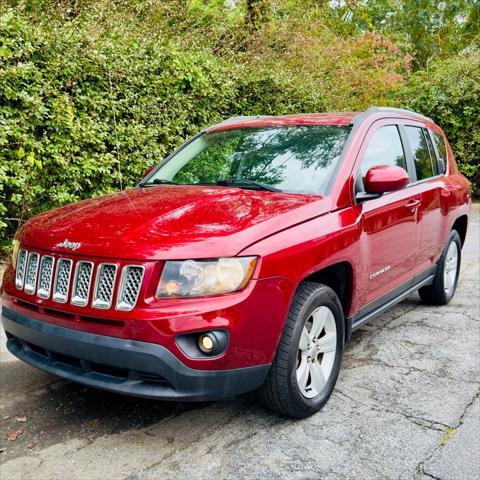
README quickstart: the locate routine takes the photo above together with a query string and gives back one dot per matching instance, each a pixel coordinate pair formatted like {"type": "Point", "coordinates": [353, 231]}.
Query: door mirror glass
{"type": "Point", "coordinates": [385, 178]}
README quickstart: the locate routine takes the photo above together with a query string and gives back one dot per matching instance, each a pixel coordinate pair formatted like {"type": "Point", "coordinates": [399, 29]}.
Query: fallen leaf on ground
{"type": "Point", "coordinates": [32, 444]}
{"type": "Point", "coordinates": [21, 419]}
{"type": "Point", "coordinates": [14, 434]}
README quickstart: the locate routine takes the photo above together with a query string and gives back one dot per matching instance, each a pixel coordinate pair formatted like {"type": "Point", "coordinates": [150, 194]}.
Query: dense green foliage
{"type": "Point", "coordinates": [449, 93]}
{"type": "Point", "coordinates": [94, 92]}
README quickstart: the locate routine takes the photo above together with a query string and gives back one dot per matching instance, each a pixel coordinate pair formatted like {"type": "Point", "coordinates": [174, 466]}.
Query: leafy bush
{"type": "Point", "coordinates": [449, 93]}
{"type": "Point", "coordinates": [93, 92]}
{"type": "Point", "coordinates": [86, 105]}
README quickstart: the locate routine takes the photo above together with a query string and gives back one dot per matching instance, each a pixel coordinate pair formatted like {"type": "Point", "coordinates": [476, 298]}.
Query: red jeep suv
{"type": "Point", "coordinates": [244, 260]}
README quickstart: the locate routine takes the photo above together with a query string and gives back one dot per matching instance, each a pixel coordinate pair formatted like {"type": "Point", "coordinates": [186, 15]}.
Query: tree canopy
{"type": "Point", "coordinates": [92, 92]}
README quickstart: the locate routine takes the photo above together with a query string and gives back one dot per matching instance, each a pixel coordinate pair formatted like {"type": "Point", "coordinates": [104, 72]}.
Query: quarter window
{"type": "Point", "coordinates": [385, 148]}
{"type": "Point", "coordinates": [421, 153]}
{"type": "Point", "coordinates": [441, 149]}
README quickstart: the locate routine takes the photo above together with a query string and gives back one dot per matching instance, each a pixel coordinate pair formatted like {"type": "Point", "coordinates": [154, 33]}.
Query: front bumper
{"type": "Point", "coordinates": [121, 365]}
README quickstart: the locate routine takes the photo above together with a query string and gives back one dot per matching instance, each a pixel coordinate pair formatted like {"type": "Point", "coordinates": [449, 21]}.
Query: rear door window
{"type": "Point", "coordinates": [421, 152]}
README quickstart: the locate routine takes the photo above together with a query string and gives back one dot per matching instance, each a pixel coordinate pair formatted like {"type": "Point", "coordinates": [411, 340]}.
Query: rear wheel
{"type": "Point", "coordinates": [441, 291]}
{"type": "Point", "coordinates": [309, 355]}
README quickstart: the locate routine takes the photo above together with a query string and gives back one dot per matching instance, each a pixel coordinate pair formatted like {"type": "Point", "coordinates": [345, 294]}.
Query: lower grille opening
{"type": "Point", "coordinates": [23, 304]}
{"type": "Point", "coordinates": [86, 367]}
{"type": "Point", "coordinates": [150, 377]}
{"type": "Point", "coordinates": [108, 370]}
{"type": "Point", "coordinates": [70, 316]}
{"type": "Point", "coordinates": [67, 360]}
{"type": "Point", "coordinates": [103, 321]}
{"type": "Point", "coordinates": [40, 350]}
{"type": "Point", "coordinates": [58, 313]}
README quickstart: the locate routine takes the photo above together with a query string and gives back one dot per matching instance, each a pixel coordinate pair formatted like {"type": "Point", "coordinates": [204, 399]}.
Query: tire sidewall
{"type": "Point", "coordinates": [323, 297]}
{"type": "Point", "coordinates": [454, 237]}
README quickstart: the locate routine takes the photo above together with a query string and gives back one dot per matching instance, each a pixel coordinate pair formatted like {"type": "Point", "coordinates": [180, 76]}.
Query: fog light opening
{"type": "Point", "coordinates": [207, 343]}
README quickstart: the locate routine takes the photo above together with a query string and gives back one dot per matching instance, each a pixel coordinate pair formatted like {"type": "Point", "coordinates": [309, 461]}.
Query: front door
{"type": "Point", "coordinates": [390, 230]}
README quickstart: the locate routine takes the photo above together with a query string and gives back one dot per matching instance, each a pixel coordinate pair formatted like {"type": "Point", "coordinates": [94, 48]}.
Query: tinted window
{"type": "Point", "coordinates": [293, 159]}
{"type": "Point", "coordinates": [384, 148]}
{"type": "Point", "coordinates": [441, 149]}
{"type": "Point", "coordinates": [433, 155]}
{"type": "Point", "coordinates": [421, 153]}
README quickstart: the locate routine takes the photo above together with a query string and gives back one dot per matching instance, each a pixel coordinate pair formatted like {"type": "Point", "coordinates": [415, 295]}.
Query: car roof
{"type": "Point", "coordinates": [333, 118]}
{"type": "Point", "coordinates": [285, 120]}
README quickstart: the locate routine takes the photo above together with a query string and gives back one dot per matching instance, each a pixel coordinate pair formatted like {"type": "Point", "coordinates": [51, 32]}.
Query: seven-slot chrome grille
{"type": "Point", "coordinates": [64, 280]}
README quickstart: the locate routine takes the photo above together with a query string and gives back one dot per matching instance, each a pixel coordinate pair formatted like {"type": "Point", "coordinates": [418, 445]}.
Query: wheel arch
{"type": "Point", "coordinates": [340, 278]}
{"type": "Point", "coordinates": [461, 225]}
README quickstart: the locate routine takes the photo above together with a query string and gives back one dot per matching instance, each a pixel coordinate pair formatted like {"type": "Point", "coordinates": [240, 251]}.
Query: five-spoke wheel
{"type": "Point", "coordinates": [450, 268]}
{"type": "Point", "coordinates": [445, 281]}
{"type": "Point", "coordinates": [309, 355]}
{"type": "Point", "coordinates": [316, 351]}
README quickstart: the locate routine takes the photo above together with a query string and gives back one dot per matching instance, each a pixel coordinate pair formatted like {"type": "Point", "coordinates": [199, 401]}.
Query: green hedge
{"type": "Point", "coordinates": [449, 93]}
{"type": "Point", "coordinates": [81, 118]}
{"type": "Point", "coordinates": [88, 101]}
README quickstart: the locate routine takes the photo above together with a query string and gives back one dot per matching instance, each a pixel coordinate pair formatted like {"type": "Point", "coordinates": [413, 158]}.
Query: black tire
{"type": "Point", "coordinates": [436, 294]}
{"type": "Point", "coordinates": [280, 392]}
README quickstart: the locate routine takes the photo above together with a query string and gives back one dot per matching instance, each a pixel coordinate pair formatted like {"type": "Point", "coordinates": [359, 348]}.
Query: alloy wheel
{"type": "Point", "coordinates": [450, 268]}
{"type": "Point", "coordinates": [316, 352]}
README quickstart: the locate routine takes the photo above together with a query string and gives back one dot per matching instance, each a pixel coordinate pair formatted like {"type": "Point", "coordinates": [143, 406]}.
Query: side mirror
{"type": "Point", "coordinates": [148, 171]}
{"type": "Point", "coordinates": [385, 178]}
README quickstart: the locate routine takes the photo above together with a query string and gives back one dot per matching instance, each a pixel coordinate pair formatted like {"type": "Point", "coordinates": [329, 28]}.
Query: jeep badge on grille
{"type": "Point", "coordinates": [67, 244]}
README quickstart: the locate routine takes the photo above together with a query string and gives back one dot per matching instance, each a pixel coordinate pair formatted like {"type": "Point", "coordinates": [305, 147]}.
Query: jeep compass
{"type": "Point", "coordinates": [242, 261]}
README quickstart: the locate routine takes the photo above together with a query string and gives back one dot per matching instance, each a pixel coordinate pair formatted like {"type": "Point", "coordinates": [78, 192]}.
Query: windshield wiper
{"type": "Point", "coordinates": [158, 181]}
{"type": "Point", "coordinates": [238, 182]}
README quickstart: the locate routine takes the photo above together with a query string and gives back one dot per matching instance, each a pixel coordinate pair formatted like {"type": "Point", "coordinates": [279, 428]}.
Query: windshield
{"type": "Point", "coordinates": [292, 159]}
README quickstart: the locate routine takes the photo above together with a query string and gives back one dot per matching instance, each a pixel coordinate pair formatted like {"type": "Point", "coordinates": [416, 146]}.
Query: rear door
{"type": "Point", "coordinates": [390, 231]}
{"type": "Point", "coordinates": [432, 189]}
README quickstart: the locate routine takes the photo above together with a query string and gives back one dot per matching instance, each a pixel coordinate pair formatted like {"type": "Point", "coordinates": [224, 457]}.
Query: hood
{"type": "Point", "coordinates": [169, 221]}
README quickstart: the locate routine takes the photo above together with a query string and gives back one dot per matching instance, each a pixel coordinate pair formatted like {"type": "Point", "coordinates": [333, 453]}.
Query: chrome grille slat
{"type": "Point", "coordinates": [45, 276]}
{"type": "Point", "coordinates": [104, 285]}
{"type": "Point", "coordinates": [81, 283]}
{"type": "Point", "coordinates": [62, 280]}
{"type": "Point", "coordinates": [20, 271]}
{"type": "Point", "coordinates": [130, 284]}
{"type": "Point", "coordinates": [31, 273]}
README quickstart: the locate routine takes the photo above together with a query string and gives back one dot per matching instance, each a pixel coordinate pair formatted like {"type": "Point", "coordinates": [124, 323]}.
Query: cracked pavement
{"type": "Point", "coordinates": [406, 406]}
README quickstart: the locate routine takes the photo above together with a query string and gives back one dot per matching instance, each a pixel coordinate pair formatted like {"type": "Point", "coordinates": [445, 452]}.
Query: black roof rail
{"type": "Point", "coordinates": [401, 111]}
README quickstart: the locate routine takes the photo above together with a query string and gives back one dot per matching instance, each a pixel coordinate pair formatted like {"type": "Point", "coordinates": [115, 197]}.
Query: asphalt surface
{"type": "Point", "coordinates": [407, 405]}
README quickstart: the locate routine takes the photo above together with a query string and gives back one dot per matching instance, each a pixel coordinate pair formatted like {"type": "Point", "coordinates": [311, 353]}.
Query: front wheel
{"type": "Point", "coordinates": [441, 291]}
{"type": "Point", "coordinates": [309, 354]}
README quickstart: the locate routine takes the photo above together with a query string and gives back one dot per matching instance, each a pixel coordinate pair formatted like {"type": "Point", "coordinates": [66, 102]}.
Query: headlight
{"type": "Point", "coordinates": [15, 249]}
{"type": "Point", "coordinates": [192, 278]}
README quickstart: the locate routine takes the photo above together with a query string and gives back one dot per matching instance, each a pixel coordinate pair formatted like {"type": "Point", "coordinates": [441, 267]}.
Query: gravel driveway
{"type": "Point", "coordinates": [406, 406]}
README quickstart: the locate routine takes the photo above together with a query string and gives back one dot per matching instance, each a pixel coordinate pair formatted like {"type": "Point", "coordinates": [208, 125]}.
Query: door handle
{"type": "Point", "coordinates": [412, 205]}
